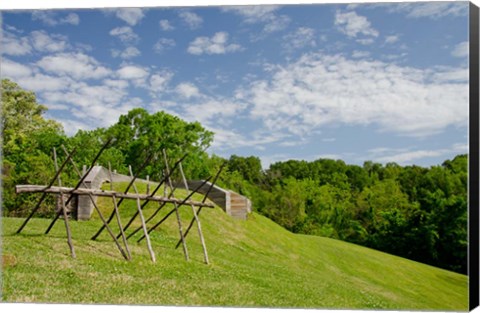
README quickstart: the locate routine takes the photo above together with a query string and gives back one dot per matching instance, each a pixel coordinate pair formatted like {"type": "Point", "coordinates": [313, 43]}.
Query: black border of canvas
{"type": "Point", "coordinates": [473, 270]}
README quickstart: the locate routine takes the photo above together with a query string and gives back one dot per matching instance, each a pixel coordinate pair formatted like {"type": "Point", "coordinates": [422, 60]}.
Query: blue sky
{"type": "Point", "coordinates": [385, 82]}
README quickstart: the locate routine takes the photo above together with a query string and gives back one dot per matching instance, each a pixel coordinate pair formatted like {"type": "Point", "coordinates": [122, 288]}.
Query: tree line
{"type": "Point", "coordinates": [411, 211]}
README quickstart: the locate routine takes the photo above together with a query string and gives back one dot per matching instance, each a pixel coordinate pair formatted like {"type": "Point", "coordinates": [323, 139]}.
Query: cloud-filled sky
{"type": "Point", "coordinates": [386, 82]}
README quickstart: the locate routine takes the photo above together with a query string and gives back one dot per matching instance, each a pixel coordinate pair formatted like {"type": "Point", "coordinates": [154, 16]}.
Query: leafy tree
{"type": "Point", "coordinates": [139, 134]}
{"type": "Point", "coordinates": [357, 177]}
{"type": "Point", "coordinates": [27, 142]}
{"type": "Point", "coordinates": [329, 207]}
{"type": "Point", "coordinates": [22, 117]}
{"type": "Point", "coordinates": [286, 205]}
{"type": "Point", "coordinates": [249, 167]}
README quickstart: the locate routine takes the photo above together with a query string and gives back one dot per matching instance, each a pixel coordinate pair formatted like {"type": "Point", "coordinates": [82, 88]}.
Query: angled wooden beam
{"type": "Point", "coordinates": [195, 216]}
{"type": "Point", "coordinates": [80, 182]}
{"type": "Point", "coordinates": [125, 255]}
{"type": "Point", "coordinates": [204, 199]}
{"type": "Point", "coordinates": [64, 209]}
{"type": "Point", "coordinates": [117, 214]}
{"type": "Point", "coordinates": [186, 200]}
{"type": "Point", "coordinates": [158, 224]}
{"type": "Point", "coordinates": [177, 213]}
{"type": "Point", "coordinates": [145, 232]}
{"type": "Point", "coordinates": [121, 199]}
{"type": "Point", "coordinates": [147, 220]}
{"type": "Point", "coordinates": [35, 209]}
{"type": "Point", "coordinates": [106, 193]}
{"type": "Point", "coordinates": [164, 179]}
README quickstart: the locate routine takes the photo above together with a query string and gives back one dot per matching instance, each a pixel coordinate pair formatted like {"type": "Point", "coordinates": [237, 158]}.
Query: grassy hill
{"type": "Point", "coordinates": [254, 263]}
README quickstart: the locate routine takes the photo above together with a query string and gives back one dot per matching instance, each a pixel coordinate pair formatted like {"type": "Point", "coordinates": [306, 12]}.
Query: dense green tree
{"type": "Point", "coordinates": [22, 117]}
{"type": "Point", "coordinates": [27, 142]}
{"type": "Point", "coordinates": [286, 205]}
{"type": "Point", "coordinates": [139, 134]}
{"type": "Point", "coordinates": [249, 167]}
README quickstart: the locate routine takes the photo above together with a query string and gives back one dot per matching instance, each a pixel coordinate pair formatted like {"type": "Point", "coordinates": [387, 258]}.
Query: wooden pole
{"type": "Point", "coordinates": [164, 179]}
{"type": "Point", "coordinates": [163, 204]}
{"type": "Point", "coordinates": [80, 182]}
{"type": "Point", "coordinates": [147, 220]}
{"type": "Point", "coordinates": [121, 199]}
{"type": "Point", "coordinates": [100, 213]}
{"type": "Point", "coordinates": [177, 213]}
{"type": "Point", "coordinates": [105, 193]}
{"type": "Point", "coordinates": [67, 227]}
{"type": "Point", "coordinates": [199, 226]}
{"type": "Point", "coordinates": [165, 189]}
{"type": "Point", "coordinates": [204, 199]}
{"type": "Point", "coordinates": [69, 156]}
{"type": "Point", "coordinates": [64, 209]}
{"type": "Point", "coordinates": [117, 214]}
{"type": "Point", "coordinates": [148, 184]}
{"type": "Point", "coordinates": [149, 245]}
{"type": "Point", "coordinates": [158, 224]}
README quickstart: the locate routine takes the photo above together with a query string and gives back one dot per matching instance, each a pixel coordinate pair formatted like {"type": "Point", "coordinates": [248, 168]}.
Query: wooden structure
{"type": "Point", "coordinates": [87, 189]}
{"type": "Point", "coordinates": [231, 202]}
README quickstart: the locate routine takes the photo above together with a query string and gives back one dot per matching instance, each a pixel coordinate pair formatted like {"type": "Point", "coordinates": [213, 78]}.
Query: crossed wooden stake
{"type": "Point", "coordinates": [81, 189]}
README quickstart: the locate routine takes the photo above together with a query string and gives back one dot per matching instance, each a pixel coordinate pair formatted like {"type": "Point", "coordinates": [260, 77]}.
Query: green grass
{"type": "Point", "coordinates": [254, 263]}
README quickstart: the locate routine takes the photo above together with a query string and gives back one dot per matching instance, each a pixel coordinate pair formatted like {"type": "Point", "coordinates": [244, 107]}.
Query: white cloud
{"type": "Point", "coordinates": [124, 33]}
{"type": "Point", "coordinates": [253, 13]}
{"type": "Point", "coordinates": [365, 41]}
{"type": "Point", "coordinates": [100, 103]}
{"type": "Point", "coordinates": [44, 42]}
{"type": "Point", "coordinates": [130, 15]}
{"type": "Point", "coordinates": [41, 82]}
{"type": "Point", "coordinates": [76, 65]}
{"type": "Point", "coordinates": [132, 72]}
{"type": "Point", "coordinates": [360, 54]}
{"type": "Point", "coordinates": [45, 16]}
{"type": "Point", "coordinates": [461, 50]}
{"type": "Point", "coordinates": [216, 111]}
{"type": "Point", "coordinates": [329, 139]}
{"type": "Point", "coordinates": [13, 45]}
{"type": "Point", "coordinates": [300, 38]}
{"type": "Point", "coordinates": [191, 19]}
{"type": "Point", "coordinates": [187, 90]}
{"type": "Point", "coordinates": [448, 74]}
{"type": "Point", "coordinates": [408, 156]}
{"type": "Point", "coordinates": [72, 126]}
{"type": "Point", "coordinates": [264, 14]}
{"type": "Point", "coordinates": [83, 46]}
{"type": "Point", "coordinates": [214, 45]}
{"type": "Point", "coordinates": [352, 24]}
{"type": "Point", "coordinates": [136, 74]}
{"type": "Point", "coordinates": [228, 138]}
{"type": "Point", "coordinates": [163, 44]}
{"type": "Point", "coordinates": [90, 105]}
{"type": "Point", "coordinates": [277, 23]}
{"type": "Point", "coordinates": [116, 83]}
{"type": "Point", "coordinates": [159, 82]}
{"type": "Point", "coordinates": [29, 78]}
{"type": "Point", "coordinates": [128, 53]}
{"type": "Point", "coordinates": [14, 70]}
{"type": "Point", "coordinates": [165, 25]}
{"type": "Point", "coordinates": [50, 18]}
{"type": "Point", "coordinates": [391, 39]}
{"type": "Point", "coordinates": [71, 18]}
{"type": "Point", "coordinates": [320, 90]}
{"type": "Point", "coordinates": [432, 10]}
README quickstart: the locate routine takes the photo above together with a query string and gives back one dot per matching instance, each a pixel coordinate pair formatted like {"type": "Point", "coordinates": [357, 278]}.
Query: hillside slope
{"type": "Point", "coordinates": [254, 263]}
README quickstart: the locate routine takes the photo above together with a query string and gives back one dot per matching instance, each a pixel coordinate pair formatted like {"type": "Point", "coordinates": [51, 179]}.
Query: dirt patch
{"type": "Point", "coordinates": [9, 260]}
